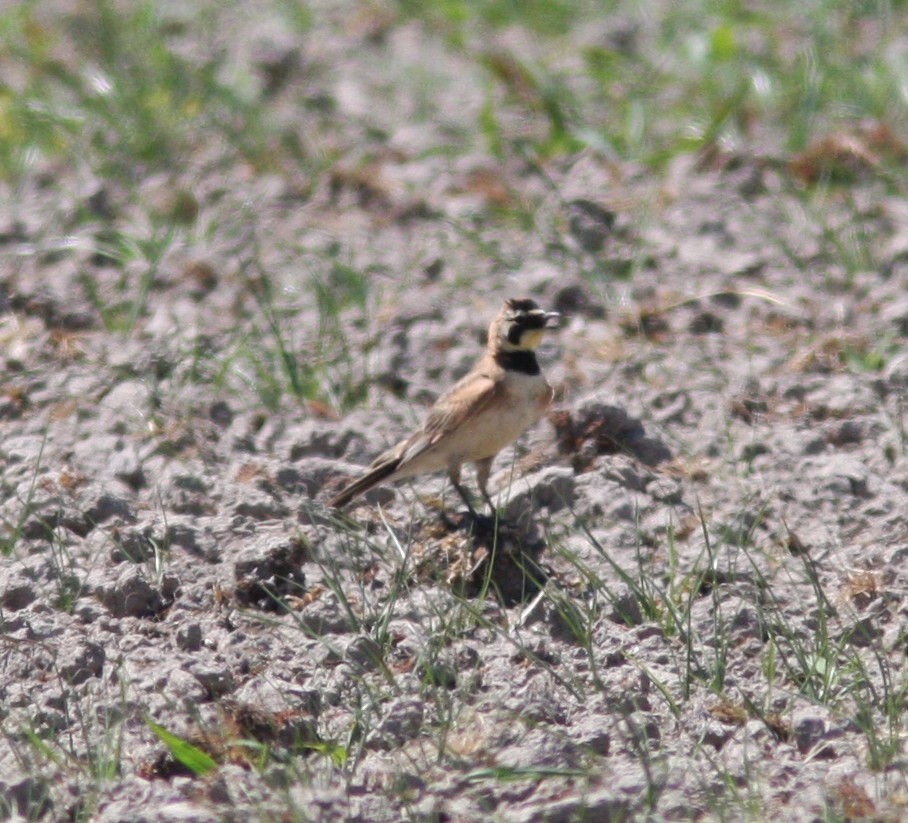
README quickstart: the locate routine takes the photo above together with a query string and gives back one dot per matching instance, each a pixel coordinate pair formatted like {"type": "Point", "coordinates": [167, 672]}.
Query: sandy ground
{"type": "Point", "coordinates": [694, 607]}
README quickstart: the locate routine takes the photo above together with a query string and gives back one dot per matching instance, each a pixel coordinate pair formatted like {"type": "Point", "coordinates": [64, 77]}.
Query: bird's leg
{"type": "Point", "coordinates": [483, 470]}
{"type": "Point", "coordinates": [454, 476]}
{"type": "Point", "coordinates": [466, 499]}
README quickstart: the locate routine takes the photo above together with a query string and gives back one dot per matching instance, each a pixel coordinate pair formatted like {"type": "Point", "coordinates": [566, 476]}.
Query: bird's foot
{"type": "Point", "coordinates": [450, 522]}
{"type": "Point", "coordinates": [469, 520]}
{"type": "Point", "coordinates": [473, 519]}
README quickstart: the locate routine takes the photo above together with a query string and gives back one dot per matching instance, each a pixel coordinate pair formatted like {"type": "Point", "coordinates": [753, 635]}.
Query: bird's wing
{"type": "Point", "coordinates": [455, 408]}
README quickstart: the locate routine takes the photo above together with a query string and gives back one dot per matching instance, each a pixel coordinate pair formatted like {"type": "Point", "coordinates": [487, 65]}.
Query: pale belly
{"type": "Point", "coordinates": [489, 432]}
{"type": "Point", "coordinates": [495, 429]}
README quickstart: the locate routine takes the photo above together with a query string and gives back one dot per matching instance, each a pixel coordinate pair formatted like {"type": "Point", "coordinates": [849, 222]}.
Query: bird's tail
{"type": "Point", "coordinates": [372, 478]}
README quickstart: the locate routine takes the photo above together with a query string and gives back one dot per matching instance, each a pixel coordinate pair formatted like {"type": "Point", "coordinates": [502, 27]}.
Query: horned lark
{"type": "Point", "coordinates": [503, 395]}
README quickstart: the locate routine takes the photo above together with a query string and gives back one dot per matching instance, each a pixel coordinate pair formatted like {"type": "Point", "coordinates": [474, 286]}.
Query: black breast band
{"type": "Point", "coordinates": [522, 362]}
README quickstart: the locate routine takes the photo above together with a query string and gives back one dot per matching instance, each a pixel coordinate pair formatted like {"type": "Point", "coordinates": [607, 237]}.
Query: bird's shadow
{"type": "Point", "coordinates": [506, 556]}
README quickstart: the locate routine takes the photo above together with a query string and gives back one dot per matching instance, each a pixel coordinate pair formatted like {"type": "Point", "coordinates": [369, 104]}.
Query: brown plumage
{"type": "Point", "coordinates": [502, 396]}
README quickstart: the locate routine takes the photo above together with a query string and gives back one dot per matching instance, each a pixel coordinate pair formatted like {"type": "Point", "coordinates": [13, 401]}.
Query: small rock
{"type": "Point", "coordinates": [24, 448]}
{"type": "Point", "coordinates": [18, 596]}
{"type": "Point", "coordinates": [190, 483]}
{"type": "Point", "coordinates": [184, 536]}
{"type": "Point", "coordinates": [575, 299]}
{"type": "Point", "coordinates": [324, 616]}
{"type": "Point", "coordinates": [466, 658]}
{"type": "Point", "coordinates": [607, 429]}
{"type": "Point", "coordinates": [129, 397]}
{"type": "Point", "coordinates": [402, 721]}
{"type": "Point", "coordinates": [170, 587]}
{"type": "Point", "coordinates": [813, 444]}
{"type": "Point", "coordinates": [134, 544]}
{"type": "Point", "coordinates": [598, 494]}
{"type": "Point", "coordinates": [645, 729]}
{"type": "Point", "coordinates": [132, 596]}
{"type": "Point", "coordinates": [590, 733]}
{"type": "Point", "coordinates": [746, 407]}
{"type": "Point", "coordinates": [747, 623]}
{"type": "Point", "coordinates": [705, 322]}
{"type": "Point", "coordinates": [552, 487]}
{"type": "Point", "coordinates": [439, 671]}
{"type": "Point", "coordinates": [202, 277]}
{"type": "Point", "coordinates": [291, 481]}
{"type": "Point", "coordinates": [126, 465]}
{"type": "Point", "coordinates": [259, 506]}
{"type": "Point", "coordinates": [840, 396]}
{"type": "Point", "coordinates": [107, 506]}
{"type": "Point", "coordinates": [364, 653]}
{"type": "Point", "coordinates": [318, 438]}
{"type": "Point", "coordinates": [590, 224]}
{"type": "Point", "coordinates": [848, 432]}
{"type": "Point", "coordinates": [99, 204]}
{"type": "Point", "coordinates": [751, 451]}
{"type": "Point", "coordinates": [808, 729]}
{"type": "Point", "coordinates": [189, 637]}
{"type": "Point", "coordinates": [268, 570]}
{"type": "Point", "coordinates": [626, 608]}
{"type": "Point", "coordinates": [865, 632]}
{"type": "Point", "coordinates": [567, 621]}
{"type": "Point", "coordinates": [220, 413]}
{"type": "Point", "coordinates": [296, 706]}
{"type": "Point", "coordinates": [81, 662]}
{"type": "Point", "coordinates": [45, 516]}
{"type": "Point", "coordinates": [716, 734]}
{"type": "Point", "coordinates": [432, 269]}
{"type": "Point", "coordinates": [666, 489]}
{"type": "Point", "coordinates": [188, 494]}
{"type": "Point", "coordinates": [277, 62]}
{"type": "Point", "coordinates": [88, 613]}
{"type": "Point", "coordinates": [182, 688]}
{"type": "Point", "coordinates": [226, 784]}
{"type": "Point", "coordinates": [626, 473]}
{"type": "Point", "coordinates": [842, 475]}
{"type": "Point", "coordinates": [216, 680]}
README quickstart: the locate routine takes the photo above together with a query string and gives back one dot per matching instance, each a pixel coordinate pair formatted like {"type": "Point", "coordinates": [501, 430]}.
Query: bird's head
{"type": "Point", "coordinates": [520, 325]}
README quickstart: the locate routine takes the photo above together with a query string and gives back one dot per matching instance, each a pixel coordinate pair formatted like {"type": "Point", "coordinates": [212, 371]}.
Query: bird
{"type": "Point", "coordinates": [490, 407]}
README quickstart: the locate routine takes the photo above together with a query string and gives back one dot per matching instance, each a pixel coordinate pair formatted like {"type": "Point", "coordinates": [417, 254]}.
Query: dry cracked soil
{"type": "Point", "coordinates": [693, 604]}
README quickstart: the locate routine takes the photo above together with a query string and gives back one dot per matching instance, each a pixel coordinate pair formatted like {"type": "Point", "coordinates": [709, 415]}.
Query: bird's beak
{"type": "Point", "coordinates": [552, 319]}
